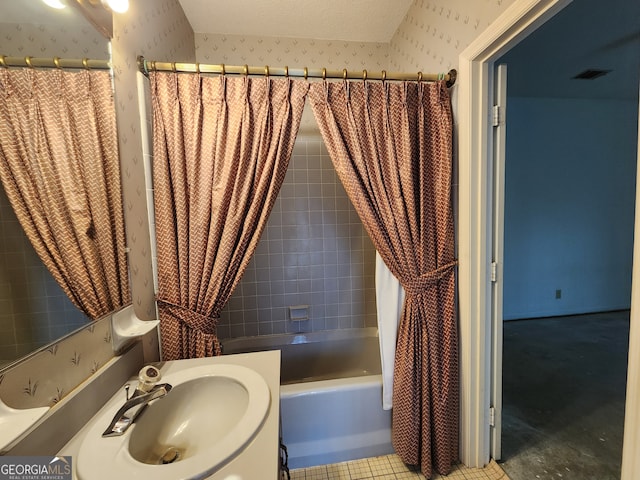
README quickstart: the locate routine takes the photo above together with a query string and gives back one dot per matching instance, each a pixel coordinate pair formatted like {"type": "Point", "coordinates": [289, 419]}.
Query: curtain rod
{"type": "Point", "coordinates": [146, 66]}
{"type": "Point", "coordinates": [55, 62]}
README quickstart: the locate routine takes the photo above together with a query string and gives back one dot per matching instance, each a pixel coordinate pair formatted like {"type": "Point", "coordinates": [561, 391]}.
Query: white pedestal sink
{"type": "Point", "coordinates": [209, 416]}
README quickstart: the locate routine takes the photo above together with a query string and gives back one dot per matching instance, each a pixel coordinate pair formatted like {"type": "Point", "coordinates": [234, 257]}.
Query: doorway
{"type": "Point", "coordinates": [568, 220]}
{"type": "Point", "coordinates": [475, 180]}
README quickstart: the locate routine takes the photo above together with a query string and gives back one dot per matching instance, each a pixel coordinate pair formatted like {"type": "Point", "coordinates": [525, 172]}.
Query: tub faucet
{"type": "Point", "coordinates": [147, 390]}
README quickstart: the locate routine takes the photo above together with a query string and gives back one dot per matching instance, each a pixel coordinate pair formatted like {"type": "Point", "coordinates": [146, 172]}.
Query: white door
{"type": "Point", "coordinates": [497, 256]}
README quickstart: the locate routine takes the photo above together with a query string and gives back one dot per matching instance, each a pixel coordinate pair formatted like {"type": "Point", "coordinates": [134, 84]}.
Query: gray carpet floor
{"type": "Point", "coordinates": [564, 382]}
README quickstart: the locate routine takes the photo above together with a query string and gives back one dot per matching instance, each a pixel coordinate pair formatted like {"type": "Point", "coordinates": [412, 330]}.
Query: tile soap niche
{"type": "Point", "coordinates": [299, 313]}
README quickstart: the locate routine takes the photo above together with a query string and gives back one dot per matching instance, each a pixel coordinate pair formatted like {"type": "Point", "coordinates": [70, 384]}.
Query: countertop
{"type": "Point", "coordinates": [260, 459]}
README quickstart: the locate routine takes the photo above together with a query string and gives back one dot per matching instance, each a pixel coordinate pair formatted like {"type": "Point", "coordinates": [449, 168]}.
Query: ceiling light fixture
{"type": "Point", "coordinates": [57, 4]}
{"type": "Point", "coordinates": [117, 6]}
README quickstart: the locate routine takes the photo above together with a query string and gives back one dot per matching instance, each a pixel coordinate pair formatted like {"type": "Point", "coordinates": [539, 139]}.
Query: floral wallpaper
{"type": "Point", "coordinates": [19, 40]}
{"type": "Point", "coordinates": [435, 32]}
{"type": "Point", "coordinates": [158, 30]}
{"type": "Point", "coordinates": [294, 52]}
{"type": "Point", "coordinates": [44, 378]}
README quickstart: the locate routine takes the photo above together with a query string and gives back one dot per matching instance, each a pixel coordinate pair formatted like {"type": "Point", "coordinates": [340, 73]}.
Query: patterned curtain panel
{"type": "Point", "coordinates": [59, 166]}
{"type": "Point", "coordinates": [221, 150]}
{"type": "Point", "coordinates": [391, 145]}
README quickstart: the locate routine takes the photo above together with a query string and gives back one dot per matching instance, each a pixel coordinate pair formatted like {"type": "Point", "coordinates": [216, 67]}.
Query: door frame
{"type": "Point", "coordinates": [475, 153]}
{"type": "Point", "coordinates": [499, 138]}
{"type": "Point", "coordinates": [475, 160]}
{"type": "Point", "coordinates": [631, 439]}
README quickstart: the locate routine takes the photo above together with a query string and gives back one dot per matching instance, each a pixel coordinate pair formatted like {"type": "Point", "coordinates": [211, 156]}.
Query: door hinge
{"type": "Point", "coordinates": [494, 271]}
{"type": "Point", "coordinates": [495, 116]}
{"type": "Point", "coordinates": [492, 416]}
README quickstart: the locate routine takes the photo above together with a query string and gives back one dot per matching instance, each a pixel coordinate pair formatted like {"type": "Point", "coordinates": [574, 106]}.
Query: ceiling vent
{"type": "Point", "coordinates": [591, 74]}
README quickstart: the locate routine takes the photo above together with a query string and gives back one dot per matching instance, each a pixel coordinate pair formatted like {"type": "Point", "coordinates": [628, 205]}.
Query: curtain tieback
{"type": "Point", "coordinates": [195, 320]}
{"type": "Point", "coordinates": [419, 284]}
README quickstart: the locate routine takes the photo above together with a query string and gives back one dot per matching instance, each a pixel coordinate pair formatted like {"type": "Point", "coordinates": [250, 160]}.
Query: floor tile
{"type": "Point", "coordinates": [391, 467]}
{"type": "Point", "coordinates": [456, 475]}
{"type": "Point", "coordinates": [359, 469]}
{"type": "Point", "coordinates": [398, 466]}
{"type": "Point", "coordinates": [338, 471]}
{"type": "Point", "coordinates": [380, 466]}
{"type": "Point", "coordinates": [407, 475]}
{"type": "Point", "coordinates": [317, 473]}
{"type": "Point", "coordinates": [297, 474]}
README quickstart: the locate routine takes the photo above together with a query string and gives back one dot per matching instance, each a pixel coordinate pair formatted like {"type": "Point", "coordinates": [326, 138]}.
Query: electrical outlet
{"type": "Point", "coordinates": [558, 294]}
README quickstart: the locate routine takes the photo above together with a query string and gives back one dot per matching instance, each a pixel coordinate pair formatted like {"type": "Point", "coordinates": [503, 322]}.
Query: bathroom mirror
{"type": "Point", "coordinates": [34, 311]}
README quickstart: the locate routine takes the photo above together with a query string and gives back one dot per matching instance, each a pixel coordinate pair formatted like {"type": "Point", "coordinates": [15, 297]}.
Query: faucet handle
{"type": "Point", "coordinates": [126, 391]}
{"type": "Point", "coordinates": [148, 377]}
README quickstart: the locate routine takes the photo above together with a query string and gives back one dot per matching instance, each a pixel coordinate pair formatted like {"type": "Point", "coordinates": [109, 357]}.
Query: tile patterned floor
{"type": "Point", "coordinates": [390, 467]}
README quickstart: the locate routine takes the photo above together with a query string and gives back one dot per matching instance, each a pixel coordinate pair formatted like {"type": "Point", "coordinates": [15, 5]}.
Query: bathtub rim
{"type": "Point", "coordinates": [269, 342]}
{"type": "Point", "coordinates": [291, 390]}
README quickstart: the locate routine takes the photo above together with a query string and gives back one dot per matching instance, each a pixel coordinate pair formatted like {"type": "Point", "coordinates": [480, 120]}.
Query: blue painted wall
{"type": "Point", "coordinates": [569, 206]}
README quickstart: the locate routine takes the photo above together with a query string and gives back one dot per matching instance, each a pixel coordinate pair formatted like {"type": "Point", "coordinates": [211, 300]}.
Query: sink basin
{"type": "Point", "coordinates": [209, 416]}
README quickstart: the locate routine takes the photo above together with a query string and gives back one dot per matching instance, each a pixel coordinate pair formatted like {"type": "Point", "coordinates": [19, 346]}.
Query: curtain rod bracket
{"type": "Point", "coordinates": [453, 75]}
{"type": "Point", "coordinates": [142, 65]}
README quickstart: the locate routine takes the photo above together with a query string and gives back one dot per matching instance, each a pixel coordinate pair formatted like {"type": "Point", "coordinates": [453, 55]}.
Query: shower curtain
{"type": "Point", "coordinates": [391, 145]}
{"type": "Point", "coordinates": [221, 150]}
{"type": "Point", "coordinates": [59, 166]}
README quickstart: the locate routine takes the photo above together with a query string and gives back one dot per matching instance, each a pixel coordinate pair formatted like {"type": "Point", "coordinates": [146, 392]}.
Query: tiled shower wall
{"type": "Point", "coordinates": [314, 251]}
{"type": "Point", "coordinates": [34, 310]}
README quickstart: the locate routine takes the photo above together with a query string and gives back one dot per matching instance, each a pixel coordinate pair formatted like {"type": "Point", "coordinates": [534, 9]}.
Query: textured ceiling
{"type": "Point", "coordinates": [351, 20]}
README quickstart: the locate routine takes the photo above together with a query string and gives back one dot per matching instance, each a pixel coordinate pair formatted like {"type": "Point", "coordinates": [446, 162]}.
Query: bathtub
{"type": "Point", "coordinates": [330, 394]}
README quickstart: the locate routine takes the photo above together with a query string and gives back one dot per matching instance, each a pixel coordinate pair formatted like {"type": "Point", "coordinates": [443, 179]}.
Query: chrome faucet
{"type": "Point", "coordinates": [147, 390]}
